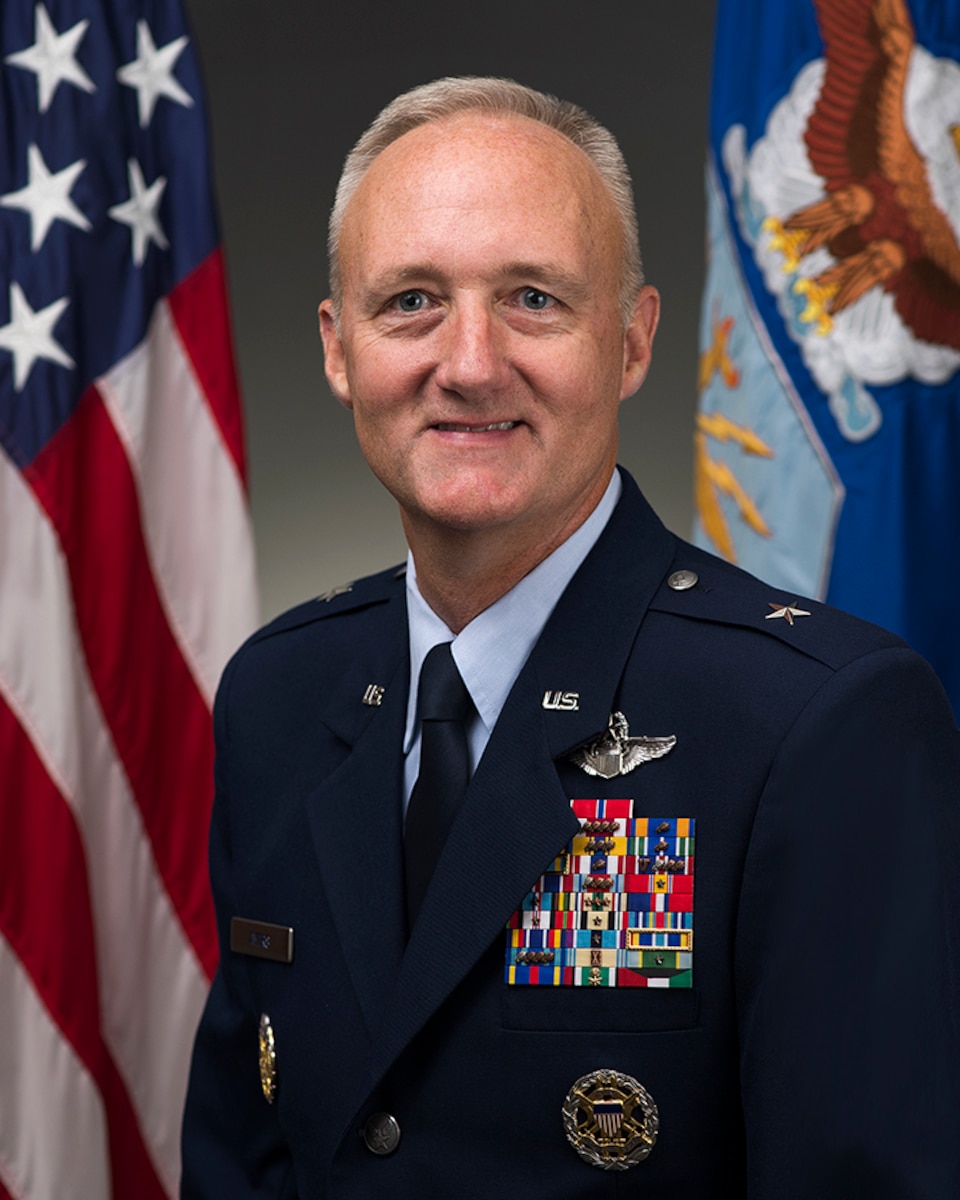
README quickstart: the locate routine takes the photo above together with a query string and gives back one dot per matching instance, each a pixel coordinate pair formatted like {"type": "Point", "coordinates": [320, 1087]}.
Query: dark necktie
{"type": "Point", "coordinates": [444, 705]}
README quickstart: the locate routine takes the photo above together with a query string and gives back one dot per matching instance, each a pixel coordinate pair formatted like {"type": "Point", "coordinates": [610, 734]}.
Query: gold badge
{"type": "Point", "coordinates": [268, 1060]}
{"type": "Point", "coordinates": [610, 1120]}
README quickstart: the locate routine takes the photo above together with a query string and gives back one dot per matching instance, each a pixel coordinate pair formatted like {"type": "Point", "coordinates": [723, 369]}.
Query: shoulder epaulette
{"type": "Point", "coordinates": [346, 597]}
{"type": "Point", "coordinates": [702, 587]}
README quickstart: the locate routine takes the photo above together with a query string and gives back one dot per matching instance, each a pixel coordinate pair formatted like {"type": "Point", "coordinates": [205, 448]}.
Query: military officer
{"type": "Point", "coordinates": [566, 861]}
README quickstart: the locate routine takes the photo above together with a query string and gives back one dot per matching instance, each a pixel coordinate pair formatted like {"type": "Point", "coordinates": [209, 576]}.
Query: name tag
{"type": "Point", "coordinates": [615, 909]}
{"type": "Point", "coordinates": [261, 939]}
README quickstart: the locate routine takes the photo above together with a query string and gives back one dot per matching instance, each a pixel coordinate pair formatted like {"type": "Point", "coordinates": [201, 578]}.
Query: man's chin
{"type": "Point", "coordinates": [468, 509]}
{"type": "Point", "coordinates": [476, 518]}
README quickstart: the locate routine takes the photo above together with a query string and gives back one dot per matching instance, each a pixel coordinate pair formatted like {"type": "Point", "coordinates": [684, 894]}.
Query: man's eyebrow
{"type": "Point", "coordinates": [550, 275]}
{"type": "Point", "coordinates": [397, 279]}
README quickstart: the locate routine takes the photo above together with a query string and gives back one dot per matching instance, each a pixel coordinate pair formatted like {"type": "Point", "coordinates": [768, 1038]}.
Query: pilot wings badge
{"type": "Point", "coordinates": [616, 753]}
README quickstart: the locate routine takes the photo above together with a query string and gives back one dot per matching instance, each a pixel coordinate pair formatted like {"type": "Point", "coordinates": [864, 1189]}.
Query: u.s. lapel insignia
{"type": "Point", "coordinates": [610, 1120]}
{"type": "Point", "coordinates": [268, 1060]}
{"type": "Point", "coordinates": [616, 753]}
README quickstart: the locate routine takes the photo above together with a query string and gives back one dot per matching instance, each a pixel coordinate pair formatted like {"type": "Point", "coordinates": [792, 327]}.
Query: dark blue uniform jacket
{"type": "Point", "coordinates": [816, 1055]}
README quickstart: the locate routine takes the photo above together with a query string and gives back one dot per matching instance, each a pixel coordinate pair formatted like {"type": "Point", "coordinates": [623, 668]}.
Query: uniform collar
{"type": "Point", "coordinates": [490, 652]}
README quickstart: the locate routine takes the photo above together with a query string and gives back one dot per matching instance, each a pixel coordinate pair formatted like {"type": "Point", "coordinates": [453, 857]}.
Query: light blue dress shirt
{"type": "Point", "coordinates": [491, 650]}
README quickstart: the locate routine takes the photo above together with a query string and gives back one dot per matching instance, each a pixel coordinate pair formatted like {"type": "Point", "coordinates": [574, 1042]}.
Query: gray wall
{"type": "Point", "coordinates": [290, 86]}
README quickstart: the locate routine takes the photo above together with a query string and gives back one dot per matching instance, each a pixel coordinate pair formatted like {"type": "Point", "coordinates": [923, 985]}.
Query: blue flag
{"type": "Point", "coordinates": [828, 436]}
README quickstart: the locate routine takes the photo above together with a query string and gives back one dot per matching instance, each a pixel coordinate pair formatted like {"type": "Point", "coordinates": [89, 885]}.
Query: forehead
{"type": "Point", "coordinates": [451, 178]}
{"type": "Point", "coordinates": [475, 142]}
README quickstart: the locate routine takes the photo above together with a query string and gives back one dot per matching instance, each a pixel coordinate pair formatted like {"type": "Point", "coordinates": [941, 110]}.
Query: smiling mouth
{"type": "Point", "coordinates": [451, 427]}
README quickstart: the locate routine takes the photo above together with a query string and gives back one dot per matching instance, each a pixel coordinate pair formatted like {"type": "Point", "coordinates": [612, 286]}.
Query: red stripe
{"type": "Point", "coordinates": [199, 307]}
{"type": "Point", "coordinates": [45, 916]}
{"type": "Point", "coordinates": [157, 716]}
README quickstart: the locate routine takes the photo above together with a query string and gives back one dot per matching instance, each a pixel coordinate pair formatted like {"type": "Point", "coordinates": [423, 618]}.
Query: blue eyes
{"type": "Point", "coordinates": [534, 299]}
{"type": "Point", "coordinates": [415, 301]}
{"type": "Point", "coordinates": [410, 302]}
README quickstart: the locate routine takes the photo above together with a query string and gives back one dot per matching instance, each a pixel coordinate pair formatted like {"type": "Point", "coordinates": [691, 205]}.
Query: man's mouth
{"type": "Point", "coordinates": [451, 427]}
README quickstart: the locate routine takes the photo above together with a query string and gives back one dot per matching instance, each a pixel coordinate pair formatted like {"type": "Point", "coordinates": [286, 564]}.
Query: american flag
{"type": "Point", "coordinates": [126, 579]}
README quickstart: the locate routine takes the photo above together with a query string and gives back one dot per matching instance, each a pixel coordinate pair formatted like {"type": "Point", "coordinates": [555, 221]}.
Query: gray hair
{"type": "Point", "coordinates": [450, 96]}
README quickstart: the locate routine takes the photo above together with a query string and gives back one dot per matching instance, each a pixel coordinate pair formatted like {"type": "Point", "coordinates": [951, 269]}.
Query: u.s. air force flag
{"type": "Point", "coordinates": [828, 437]}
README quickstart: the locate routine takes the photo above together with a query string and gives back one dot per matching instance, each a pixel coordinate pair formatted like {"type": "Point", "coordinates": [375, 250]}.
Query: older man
{"type": "Point", "coordinates": [568, 861]}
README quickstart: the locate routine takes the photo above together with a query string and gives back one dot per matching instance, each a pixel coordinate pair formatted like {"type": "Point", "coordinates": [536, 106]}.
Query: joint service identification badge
{"type": "Point", "coordinates": [610, 1120]}
{"type": "Point", "coordinates": [615, 909]}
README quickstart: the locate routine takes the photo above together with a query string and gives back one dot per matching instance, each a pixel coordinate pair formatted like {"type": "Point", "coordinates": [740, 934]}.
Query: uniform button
{"type": "Point", "coordinates": [381, 1133]}
{"type": "Point", "coordinates": [682, 581]}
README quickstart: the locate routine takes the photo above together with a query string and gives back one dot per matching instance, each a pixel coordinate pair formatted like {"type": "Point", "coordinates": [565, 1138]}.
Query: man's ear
{"type": "Point", "coordinates": [334, 359]}
{"type": "Point", "coordinates": [638, 340]}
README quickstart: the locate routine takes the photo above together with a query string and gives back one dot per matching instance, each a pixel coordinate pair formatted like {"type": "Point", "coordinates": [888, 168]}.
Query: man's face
{"type": "Point", "coordinates": [481, 345]}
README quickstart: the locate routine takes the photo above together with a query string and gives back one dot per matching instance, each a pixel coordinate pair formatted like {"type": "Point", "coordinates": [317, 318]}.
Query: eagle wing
{"type": "Point", "coordinates": [637, 750]}
{"type": "Point", "coordinates": [581, 758]}
{"type": "Point", "coordinates": [840, 141]}
{"type": "Point", "coordinates": [898, 157]}
{"type": "Point", "coordinates": [857, 128]}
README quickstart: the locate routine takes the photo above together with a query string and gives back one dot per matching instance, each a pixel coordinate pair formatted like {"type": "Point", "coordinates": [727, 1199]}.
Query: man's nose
{"type": "Point", "coordinates": [473, 352]}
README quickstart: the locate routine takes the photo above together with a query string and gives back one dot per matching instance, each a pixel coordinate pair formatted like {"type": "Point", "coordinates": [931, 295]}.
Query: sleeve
{"type": "Point", "coordinates": [846, 946]}
{"type": "Point", "coordinates": [232, 1143]}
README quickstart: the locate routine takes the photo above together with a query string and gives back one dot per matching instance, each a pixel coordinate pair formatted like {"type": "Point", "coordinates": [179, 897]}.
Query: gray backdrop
{"type": "Point", "coordinates": [290, 86]}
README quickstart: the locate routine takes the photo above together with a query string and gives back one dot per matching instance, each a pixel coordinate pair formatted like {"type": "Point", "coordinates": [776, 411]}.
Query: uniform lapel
{"type": "Point", "coordinates": [355, 815]}
{"type": "Point", "coordinates": [516, 817]}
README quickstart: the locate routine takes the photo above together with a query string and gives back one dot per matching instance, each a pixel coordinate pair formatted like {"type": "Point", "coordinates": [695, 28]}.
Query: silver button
{"type": "Point", "coordinates": [381, 1133]}
{"type": "Point", "coordinates": [682, 581]}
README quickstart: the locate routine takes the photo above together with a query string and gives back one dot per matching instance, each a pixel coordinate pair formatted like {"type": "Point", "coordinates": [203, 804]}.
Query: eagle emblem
{"type": "Point", "coordinates": [851, 202]}
{"type": "Point", "coordinates": [879, 155]}
{"type": "Point", "coordinates": [617, 753]}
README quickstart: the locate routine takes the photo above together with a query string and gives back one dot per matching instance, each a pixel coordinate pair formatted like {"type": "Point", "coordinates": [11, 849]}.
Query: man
{"type": "Point", "coordinates": [691, 929]}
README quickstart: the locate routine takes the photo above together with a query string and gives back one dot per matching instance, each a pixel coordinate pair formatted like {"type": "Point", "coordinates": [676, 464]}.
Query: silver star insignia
{"type": "Point", "coordinates": [616, 753]}
{"type": "Point", "coordinates": [787, 611]}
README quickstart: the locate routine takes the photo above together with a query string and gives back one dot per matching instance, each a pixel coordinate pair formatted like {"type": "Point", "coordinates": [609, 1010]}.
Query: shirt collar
{"type": "Point", "coordinates": [490, 652]}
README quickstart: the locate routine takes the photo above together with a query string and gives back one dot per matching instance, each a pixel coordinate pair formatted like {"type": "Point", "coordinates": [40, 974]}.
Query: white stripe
{"type": "Point", "coordinates": [152, 986]}
{"type": "Point", "coordinates": [53, 1137]}
{"type": "Point", "coordinates": [6, 1178]}
{"type": "Point", "coordinates": [193, 506]}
